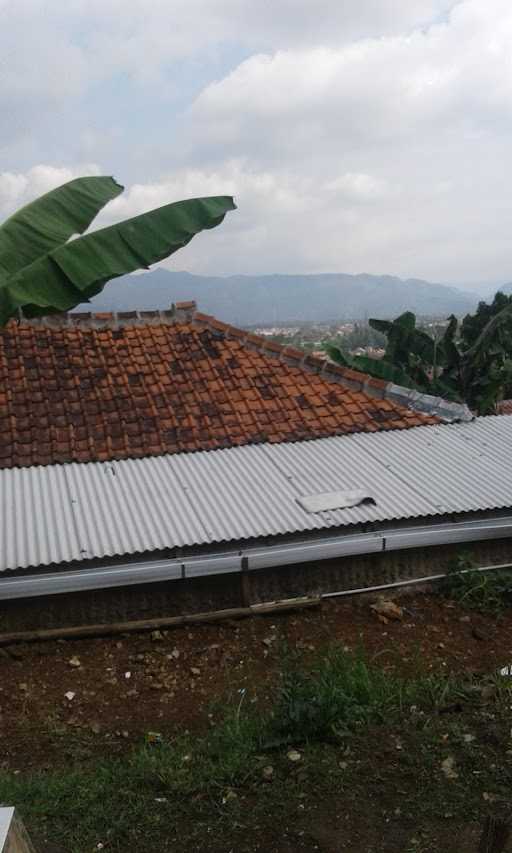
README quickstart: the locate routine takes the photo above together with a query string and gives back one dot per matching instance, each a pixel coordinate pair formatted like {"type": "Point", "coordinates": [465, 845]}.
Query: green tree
{"type": "Point", "coordinates": [43, 270]}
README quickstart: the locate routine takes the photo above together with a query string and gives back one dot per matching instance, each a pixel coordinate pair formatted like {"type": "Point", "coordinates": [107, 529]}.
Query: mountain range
{"type": "Point", "coordinates": [254, 300]}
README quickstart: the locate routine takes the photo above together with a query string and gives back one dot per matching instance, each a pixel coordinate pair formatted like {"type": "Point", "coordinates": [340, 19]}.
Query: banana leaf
{"type": "Point", "coordinates": [378, 368]}
{"type": "Point", "coordinates": [51, 220]}
{"type": "Point", "coordinates": [404, 339]}
{"type": "Point", "coordinates": [487, 333]}
{"type": "Point", "coordinates": [74, 272]}
{"type": "Point", "coordinates": [383, 326]}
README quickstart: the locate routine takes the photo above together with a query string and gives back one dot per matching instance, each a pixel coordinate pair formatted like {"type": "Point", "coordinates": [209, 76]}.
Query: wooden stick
{"type": "Point", "coordinates": [106, 630]}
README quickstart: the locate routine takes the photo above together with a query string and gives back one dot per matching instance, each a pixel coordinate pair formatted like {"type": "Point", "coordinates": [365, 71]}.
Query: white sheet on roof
{"type": "Point", "coordinates": [61, 513]}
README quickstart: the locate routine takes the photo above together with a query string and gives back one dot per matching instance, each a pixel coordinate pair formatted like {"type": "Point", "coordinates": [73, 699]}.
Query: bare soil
{"type": "Point", "coordinates": [120, 688]}
{"type": "Point", "coordinates": [126, 686]}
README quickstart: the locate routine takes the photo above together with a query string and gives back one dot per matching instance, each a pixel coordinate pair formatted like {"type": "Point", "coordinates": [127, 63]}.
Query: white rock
{"type": "Point", "coordinates": [293, 755]}
{"type": "Point", "coordinates": [448, 768]}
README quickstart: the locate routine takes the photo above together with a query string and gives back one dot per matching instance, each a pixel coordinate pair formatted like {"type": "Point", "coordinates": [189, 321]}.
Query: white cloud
{"type": "Point", "coordinates": [456, 74]}
{"type": "Point", "coordinates": [370, 136]}
{"type": "Point", "coordinates": [358, 186]}
{"type": "Point", "coordinates": [19, 188]}
{"type": "Point", "coordinates": [59, 48]}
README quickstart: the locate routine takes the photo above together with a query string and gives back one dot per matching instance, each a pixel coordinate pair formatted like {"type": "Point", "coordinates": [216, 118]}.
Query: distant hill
{"type": "Point", "coordinates": [505, 288]}
{"type": "Point", "coordinates": [251, 300]}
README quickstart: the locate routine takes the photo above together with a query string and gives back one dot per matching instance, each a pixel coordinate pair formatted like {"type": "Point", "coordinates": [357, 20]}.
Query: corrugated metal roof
{"type": "Point", "coordinates": [62, 513]}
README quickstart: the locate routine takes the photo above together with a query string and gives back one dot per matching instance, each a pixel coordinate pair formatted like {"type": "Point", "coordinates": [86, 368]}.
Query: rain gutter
{"type": "Point", "coordinates": [254, 558]}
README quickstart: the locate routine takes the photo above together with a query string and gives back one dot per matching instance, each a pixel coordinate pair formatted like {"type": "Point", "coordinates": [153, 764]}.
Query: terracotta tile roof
{"type": "Point", "coordinates": [98, 387]}
{"type": "Point", "coordinates": [504, 407]}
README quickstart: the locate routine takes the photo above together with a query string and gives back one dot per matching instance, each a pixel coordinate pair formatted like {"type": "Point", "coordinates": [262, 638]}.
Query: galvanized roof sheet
{"type": "Point", "coordinates": [63, 513]}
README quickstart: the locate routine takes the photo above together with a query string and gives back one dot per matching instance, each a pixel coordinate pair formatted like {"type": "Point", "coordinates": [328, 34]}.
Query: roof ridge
{"type": "Point", "coordinates": [186, 312]}
{"type": "Point", "coordinates": [179, 312]}
{"type": "Point", "coordinates": [445, 410]}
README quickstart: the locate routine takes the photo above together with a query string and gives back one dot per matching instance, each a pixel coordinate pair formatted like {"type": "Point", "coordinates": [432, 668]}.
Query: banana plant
{"type": "Point", "coordinates": [409, 351]}
{"type": "Point", "coordinates": [476, 375]}
{"type": "Point", "coordinates": [43, 270]}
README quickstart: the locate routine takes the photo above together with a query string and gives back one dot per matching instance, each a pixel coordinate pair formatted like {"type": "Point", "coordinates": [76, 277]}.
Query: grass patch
{"type": "Point", "coordinates": [172, 793]}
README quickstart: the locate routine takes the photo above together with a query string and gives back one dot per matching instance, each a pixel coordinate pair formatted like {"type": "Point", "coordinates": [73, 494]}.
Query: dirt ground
{"type": "Point", "coordinates": [120, 688]}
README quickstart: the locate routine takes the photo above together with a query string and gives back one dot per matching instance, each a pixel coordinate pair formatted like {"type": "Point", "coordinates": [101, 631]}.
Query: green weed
{"type": "Point", "coordinates": [488, 592]}
{"type": "Point", "coordinates": [342, 691]}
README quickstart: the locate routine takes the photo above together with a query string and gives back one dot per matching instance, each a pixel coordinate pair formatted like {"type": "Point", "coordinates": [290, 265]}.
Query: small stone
{"type": "Point", "coordinates": [293, 755]}
{"type": "Point", "coordinates": [465, 619]}
{"type": "Point", "coordinates": [174, 654]}
{"type": "Point", "coordinates": [468, 738]}
{"type": "Point", "coordinates": [343, 765]}
{"type": "Point", "coordinates": [24, 687]}
{"type": "Point", "coordinates": [268, 773]}
{"type": "Point", "coordinates": [74, 661]}
{"type": "Point", "coordinates": [268, 641]}
{"type": "Point", "coordinates": [195, 671]}
{"type": "Point", "coordinates": [387, 609]}
{"type": "Point", "coordinates": [127, 675]}
{"type": "Point", "coordinates": [95, 728]}
{"type": "Point", "coordinates": [157, 636]}
{"type": "Point", "coordinates": [70, 695]}
{"type": "Point", "coordinates": [448, 768]}
{"type": "Point", "coordinates": [230, 795]}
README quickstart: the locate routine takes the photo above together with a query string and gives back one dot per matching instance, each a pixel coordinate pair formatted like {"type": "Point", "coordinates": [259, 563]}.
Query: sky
{"type": "Point", "coordinates": [370, 136]}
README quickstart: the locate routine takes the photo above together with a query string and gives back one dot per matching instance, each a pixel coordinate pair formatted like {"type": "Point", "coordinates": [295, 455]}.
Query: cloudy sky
{"type": "Point", "coordinates": [370, 136]}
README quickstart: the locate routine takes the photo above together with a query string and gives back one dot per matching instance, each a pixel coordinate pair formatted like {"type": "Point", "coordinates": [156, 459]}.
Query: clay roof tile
{"type": "Point", "coordinates": [97, 387]}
